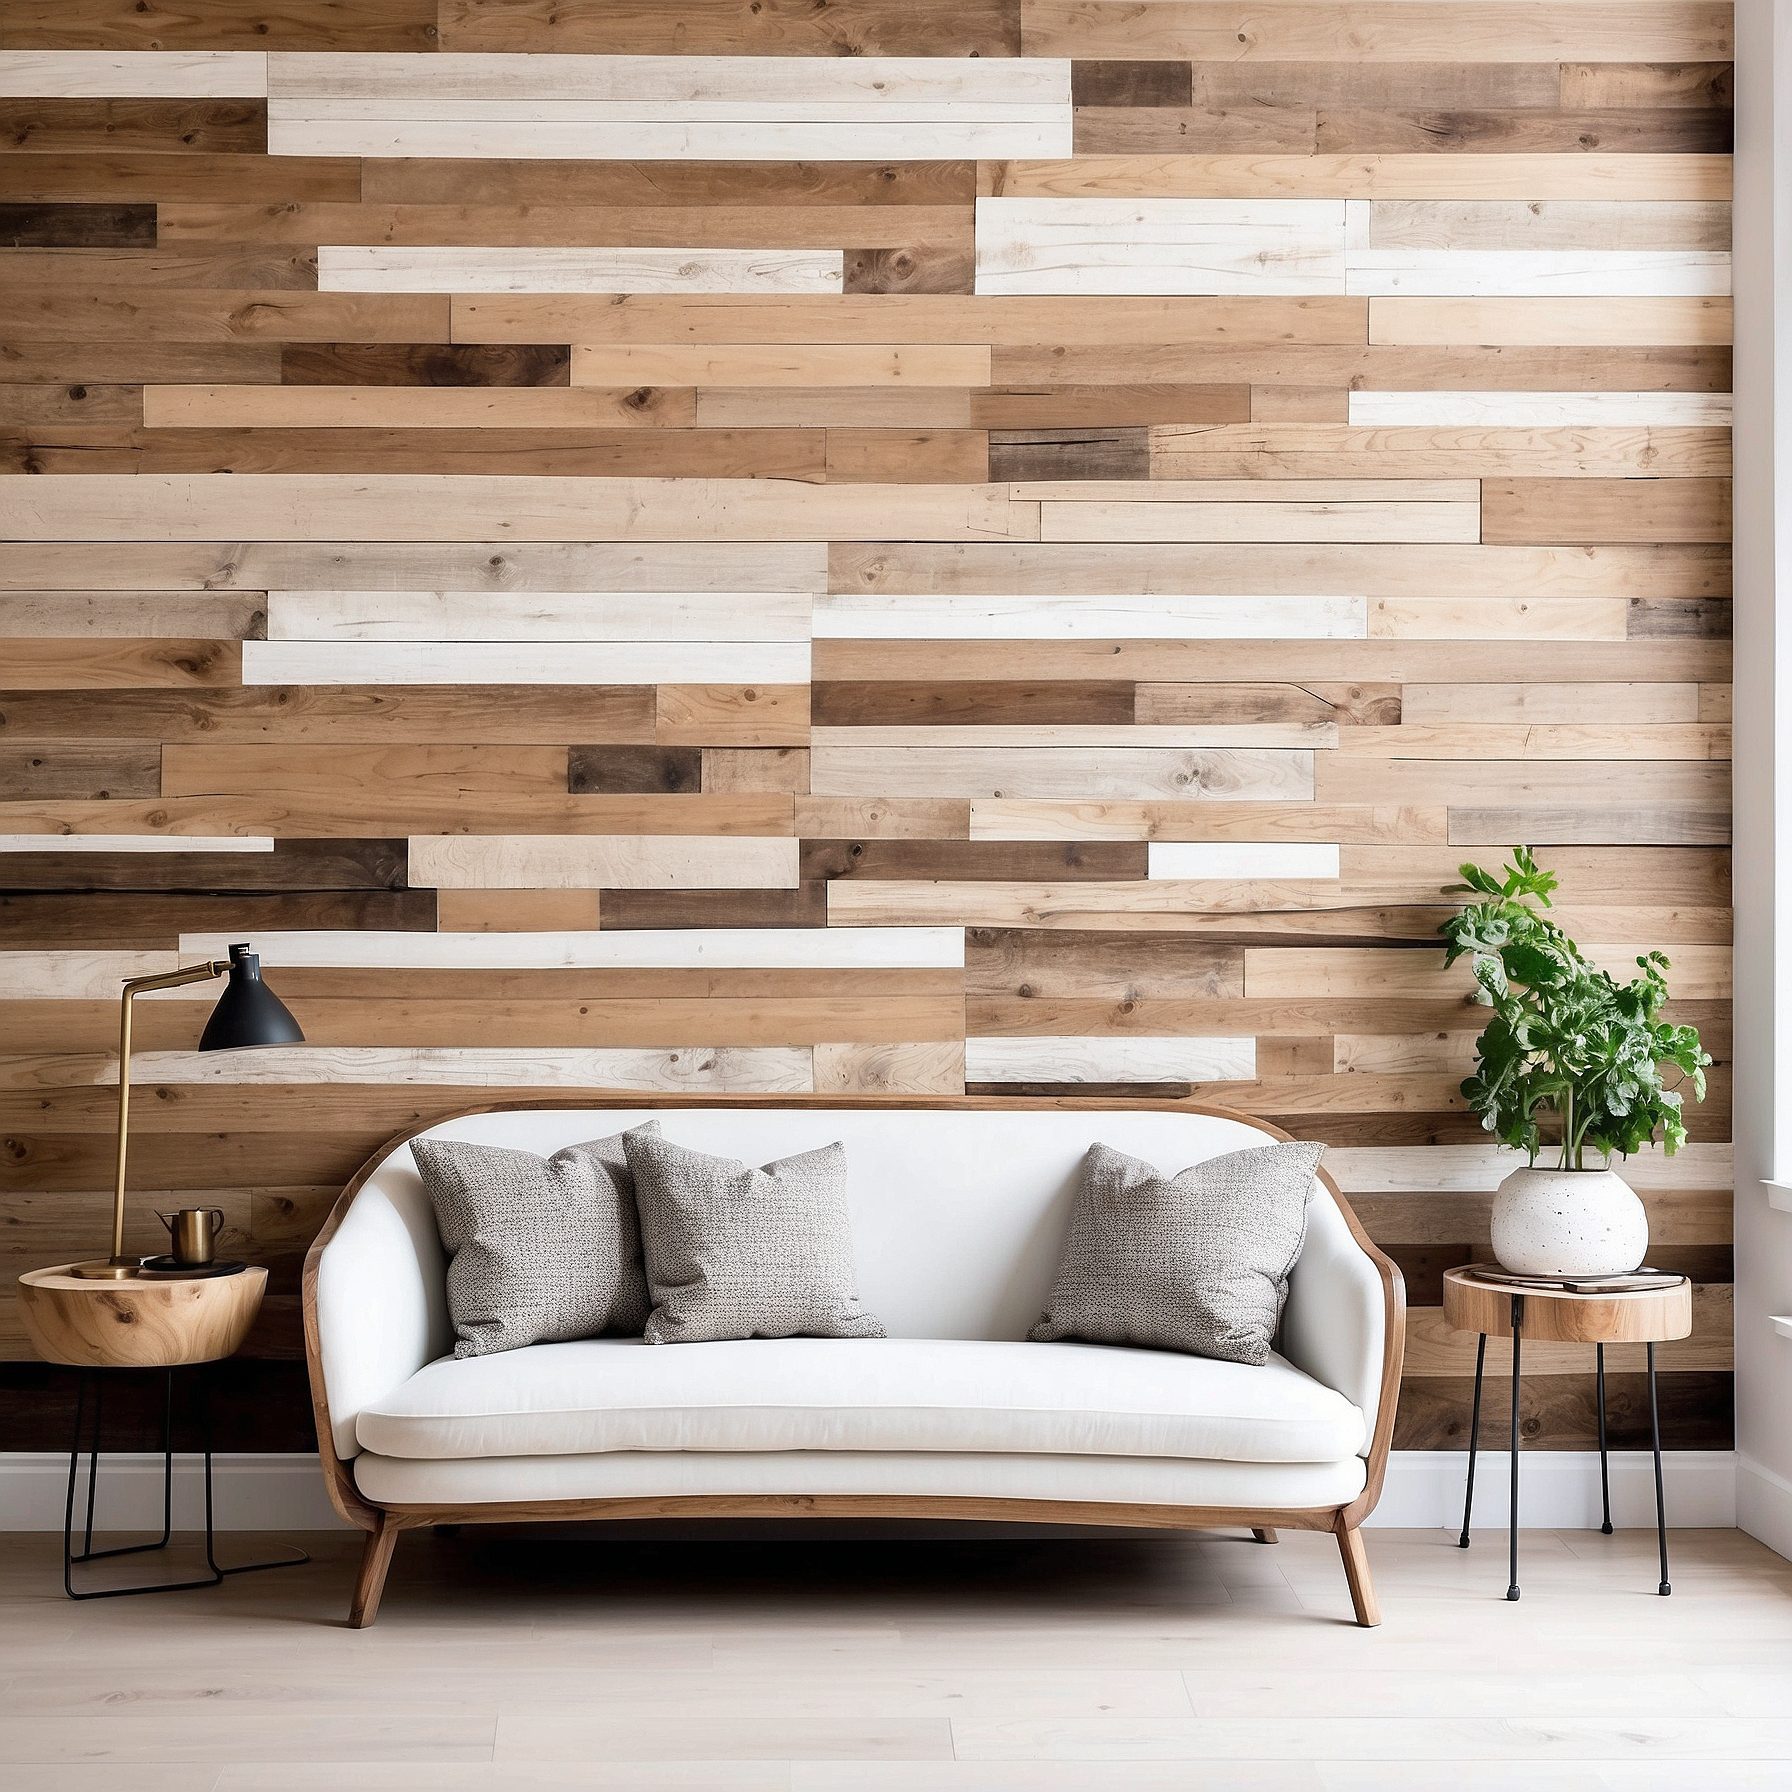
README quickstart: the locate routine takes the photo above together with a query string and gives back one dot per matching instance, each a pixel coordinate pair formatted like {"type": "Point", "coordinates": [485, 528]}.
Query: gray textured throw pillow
{"type": "Point", "coordinates": [739, 1253]}
{"type": "Point", "coordinates": [543, 1249]}
{"type": "Point", "coordinates": [1197, 1262]}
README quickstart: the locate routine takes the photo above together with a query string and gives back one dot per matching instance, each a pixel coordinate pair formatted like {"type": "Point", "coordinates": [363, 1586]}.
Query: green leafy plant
{"type": "Point", "coordinates": [1572, 1057]}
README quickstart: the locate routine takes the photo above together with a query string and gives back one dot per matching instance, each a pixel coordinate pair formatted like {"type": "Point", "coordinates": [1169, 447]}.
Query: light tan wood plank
{"type": "Point", "coordinates": [776, 365]}
{"type": "Point", "coordinates": [1518, 177]}
{"type": "Point", "coordinates": [1610, 322]}
{"type": "Point", "coordinates": [645, 862]}
{"type": "Point", "coordinates": [441, 507]}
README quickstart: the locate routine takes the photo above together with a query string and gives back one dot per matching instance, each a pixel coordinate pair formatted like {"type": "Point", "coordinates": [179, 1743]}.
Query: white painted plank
{"type": "Point", "coordinates": [1217, 774]}
{"type": "Point", "coordinates": [376, 268]}
{"type": "Point", "coordinates": [1558, 273]}
{"type": "Point", "coordinates": [444, 616]}
{"type": "Point", "coordinates": [731, 948]}
{"type": "Point", "coordinates": [1279, 859]}
{"type": "Point", "coordinates": [887, 616]}
{"type": "Point", "coordinates": [796, 81]}
{"type": "Point", "coordinates": [181, 843]}
{"type": "Point", "coordinates": [1106, 1058]}
{"type": "Point", "coordinates": [603, 861]}
{"type": "Point", "coordinates": [133, 74]}
{"type": "Point", "coordinates": [532, 662]}
{"type": "Point", "coordinates": [1171, 246]}
{"type": "Point", "coordinates": [769, 1070]}
{"type": "Point", "coordinates": [402, 112]}
{"type": "Point", "coordinates": [654, 138]}
{"type": "Point", "coordinates": [1146, 734]}
{"type": "Point", "coordinates": [1544, 410]}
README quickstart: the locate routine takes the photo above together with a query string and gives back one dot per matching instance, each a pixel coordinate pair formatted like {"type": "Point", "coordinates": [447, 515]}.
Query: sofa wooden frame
{"type": "Point", "coordinates": [383, 1523]}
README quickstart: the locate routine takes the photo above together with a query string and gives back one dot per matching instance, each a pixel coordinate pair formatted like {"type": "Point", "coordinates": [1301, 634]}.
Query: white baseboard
{"type": "Point", "coordinates": [1560, 1490]}
{"type": "Point", "coordinates": [1764, 1504]}
{"type": "Point", "coordinates": [250, 1492]}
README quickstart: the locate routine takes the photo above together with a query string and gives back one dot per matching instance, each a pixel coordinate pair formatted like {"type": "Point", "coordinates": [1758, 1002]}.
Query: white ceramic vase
{"type": "Point", "coordinates": [1568, 1223]}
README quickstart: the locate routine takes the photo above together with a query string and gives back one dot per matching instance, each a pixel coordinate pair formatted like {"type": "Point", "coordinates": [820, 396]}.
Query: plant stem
{"type": "Point", "coordinates": [1569, 1153]}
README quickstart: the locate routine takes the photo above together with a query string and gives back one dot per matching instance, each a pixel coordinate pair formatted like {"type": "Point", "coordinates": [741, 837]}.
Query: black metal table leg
{"type": "Point", "coordinates": [1661, 1505]}
{"type": "Point", "coordinates": [1512, 1528]}
{"type": "Point", "coordinates": [71, 1557]}
{"type": "Point", "coordinates": [1474, 1438]}
{"type": "Point", "coordinates": [1605, 1474]}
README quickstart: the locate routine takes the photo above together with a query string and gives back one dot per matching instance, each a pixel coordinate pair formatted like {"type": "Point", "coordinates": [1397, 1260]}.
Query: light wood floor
{"type": "Point", "coordinates": [976, 1665]}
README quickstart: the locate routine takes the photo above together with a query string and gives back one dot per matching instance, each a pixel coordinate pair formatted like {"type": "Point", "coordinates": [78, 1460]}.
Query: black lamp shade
{"type": "Point", "coordinates": [248, 1012]}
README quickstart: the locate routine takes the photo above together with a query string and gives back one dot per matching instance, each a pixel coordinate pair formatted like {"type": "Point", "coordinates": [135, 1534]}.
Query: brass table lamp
{"type": "Point", "coordinates": [247, 1014]}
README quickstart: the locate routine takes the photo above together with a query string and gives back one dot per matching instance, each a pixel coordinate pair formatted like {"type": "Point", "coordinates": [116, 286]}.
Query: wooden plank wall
{"type": "Point", "coordinates": [991, 544]}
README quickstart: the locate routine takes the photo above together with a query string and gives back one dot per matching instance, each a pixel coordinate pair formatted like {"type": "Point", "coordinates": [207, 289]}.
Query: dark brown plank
{"type": "Point", "coordinates": [123, 921]}
{"type": "Point", "coordinates": [805, 906]}
{"type": "Point", "coordinates": [1131, 84]}
{"type": "Point", "coordinates": [1560, 1412]}
{"type": "Point", "coordinates": [1069, 454]}
{"type": "Point", "coordinates": [985, 705]}
{"type": "Point", "coordinates": [920, 267]}
{"type": "Point", "coordinates": [1047, 861]}
{"type": "Point", "coordinates": [614, 771]}
{"type": "Point", "coordinates": [257, 1403]}
{"type": "Point", "coordinates": [293, 865]}
{"type": "Point", "coordinates": [83, 127]}
{"type": "Point", "coordinates": [85, 772]}
{"type": "Point", "coordinates": [423, 364]}
{"type": "Point", "coordinates": [219, 25]}
{"type": "Point", "coordinates": [1680, 618]}
{"type": "Point", "coordinates": [726, 28]}
{"type": "Point", "coordinates": [31, 225]}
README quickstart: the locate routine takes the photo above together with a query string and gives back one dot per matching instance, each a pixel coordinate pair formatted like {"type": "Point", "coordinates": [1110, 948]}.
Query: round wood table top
{"type": "Point", "coordinates": [153, 1323]}
{"type": "Point", "coordinates": [1636, 1316]}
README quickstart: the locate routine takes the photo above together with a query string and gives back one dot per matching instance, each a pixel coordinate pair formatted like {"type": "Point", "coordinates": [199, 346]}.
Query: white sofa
{"type": "Point", "coordinates": [959, 1210]}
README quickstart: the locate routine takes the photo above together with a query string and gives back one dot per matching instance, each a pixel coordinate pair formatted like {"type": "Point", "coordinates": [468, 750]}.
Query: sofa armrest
{"type": "Point", "coordinates": [1345, 1321]}
{"type": "Point", "coordinates": [375, 1303]}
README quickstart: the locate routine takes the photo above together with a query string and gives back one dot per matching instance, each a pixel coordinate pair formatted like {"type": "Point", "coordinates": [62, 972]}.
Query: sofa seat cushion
{"type": "Point", "coordinates": [896, 1394]}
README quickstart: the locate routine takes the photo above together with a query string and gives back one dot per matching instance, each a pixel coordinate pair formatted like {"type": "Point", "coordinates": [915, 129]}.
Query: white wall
{"type": "Point", "coordinates": [1763, 273]}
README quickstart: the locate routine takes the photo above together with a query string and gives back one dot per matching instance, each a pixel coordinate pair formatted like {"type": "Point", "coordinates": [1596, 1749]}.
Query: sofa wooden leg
{"type": "Point", "coordinates": [1263, 1533]}
{"type": "Point", "coordinates": [1356, 1572]}
{"type": "Point", "coordinates": [370, 1582]}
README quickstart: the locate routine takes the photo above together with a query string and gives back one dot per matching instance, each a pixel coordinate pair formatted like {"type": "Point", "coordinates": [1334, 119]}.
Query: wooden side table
{"type": "Point", "coordinates": [164, 1323]}
{"type": "Point", "coordinates": [1645, 1316]}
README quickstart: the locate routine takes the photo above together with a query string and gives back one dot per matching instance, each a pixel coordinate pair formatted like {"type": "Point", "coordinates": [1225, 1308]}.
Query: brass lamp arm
{"type": "Point", "coordinates": [133, 987]}
{"type": "Point", "coordinates": [190, 973]}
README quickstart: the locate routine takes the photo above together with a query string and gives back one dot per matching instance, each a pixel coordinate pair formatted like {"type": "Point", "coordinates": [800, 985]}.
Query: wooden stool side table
{"type": "Point", "coordinates": [1646, 1316]}
{"type": "Point", "coordinates": [164, 1323]}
